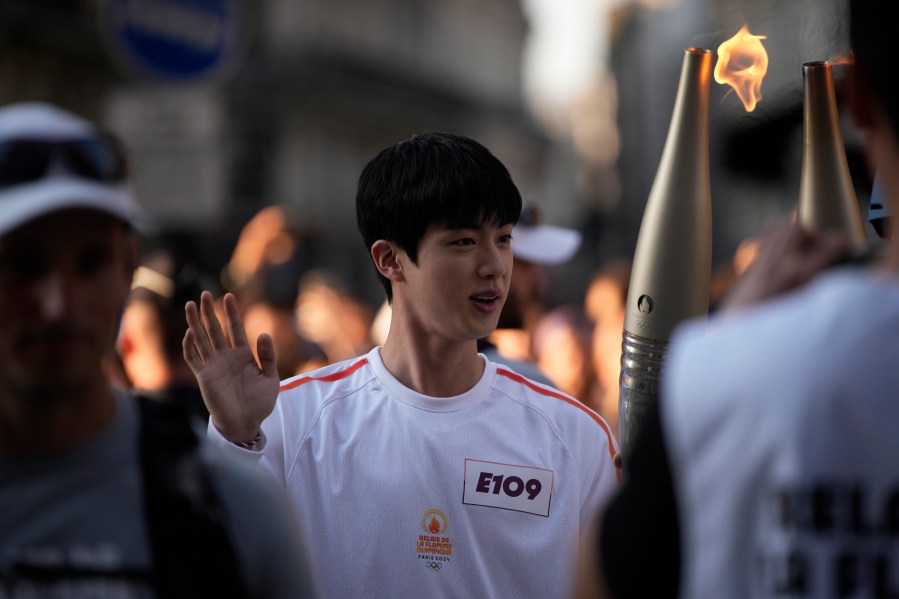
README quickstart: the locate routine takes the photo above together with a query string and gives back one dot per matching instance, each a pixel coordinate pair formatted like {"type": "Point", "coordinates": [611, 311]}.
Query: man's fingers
{"type": "Point", "coordinates": [234, 322]}
{"type": "Point", "coordinates": [818, 251]}
{"type": "Point", "coordinates": [191, 354]}
{"type": "Point", "coordinates": [265, 349]}
{"type": "Point", "coordinates": [198, 333]}
{"type": "Point", "coordinates": [213, 327]}
{"type": "Point", "coordinates": [782, 240]}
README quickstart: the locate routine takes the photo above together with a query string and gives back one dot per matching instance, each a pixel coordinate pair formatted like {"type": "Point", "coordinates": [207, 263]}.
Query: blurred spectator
{"type": "Point", "coordinates": [149, 341]}
{"type": "Point", "coordinates": [104, 494]}
{"type": "Point", "coordinates": [604, 304]}
{"type": "Point", "coordinates": [561, 346]}
{"type": "Point", "coordinates": [535, 246]}
{"type": "Point", "coordinates": [380, 324]}
{"type": "Point", "coordinates": [330, 317]}
{"type": "Point", "coordinates": [269, 238]}
{"type": "Point", "coordinates": [263, 271]}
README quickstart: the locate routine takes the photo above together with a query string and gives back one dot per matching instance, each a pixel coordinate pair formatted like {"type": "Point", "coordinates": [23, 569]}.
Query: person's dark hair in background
{"type": "Point", "coordinates": [153, 326]}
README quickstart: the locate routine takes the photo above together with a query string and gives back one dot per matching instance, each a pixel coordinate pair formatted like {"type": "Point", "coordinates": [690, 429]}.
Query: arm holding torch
{"type": "Point", "coordinates": [788, 258]}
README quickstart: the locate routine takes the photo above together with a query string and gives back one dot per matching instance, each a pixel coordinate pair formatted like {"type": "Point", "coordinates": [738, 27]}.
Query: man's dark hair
{"type": "Point", "coordinates": [433, 179]}
{"type": "Point", "coordinates": [872, 27]}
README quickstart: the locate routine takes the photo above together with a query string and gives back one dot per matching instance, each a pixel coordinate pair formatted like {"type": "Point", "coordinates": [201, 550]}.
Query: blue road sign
{"type": "Point", "coordinates": [182, 40]}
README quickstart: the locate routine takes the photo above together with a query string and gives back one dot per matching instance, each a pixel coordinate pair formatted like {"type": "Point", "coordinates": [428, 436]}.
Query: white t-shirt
{"type": "Point", "coordinates": [484, 494]}
{"type": "Point", "coordinates": [782, 425]}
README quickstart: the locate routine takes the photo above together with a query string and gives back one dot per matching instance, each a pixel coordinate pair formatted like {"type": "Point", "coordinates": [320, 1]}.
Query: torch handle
{"type": "Point", "coordinates": [641, 369]}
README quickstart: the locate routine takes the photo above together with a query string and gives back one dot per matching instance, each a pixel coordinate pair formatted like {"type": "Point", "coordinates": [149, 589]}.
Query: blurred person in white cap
{"type": "Point", "coordinates": [103, 495]}
{"type": "Point", "coordinates": [535, 247]}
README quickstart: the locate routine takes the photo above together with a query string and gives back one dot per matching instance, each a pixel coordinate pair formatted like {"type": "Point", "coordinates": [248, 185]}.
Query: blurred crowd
{"type": "Point", "coordinates": [315, 320]}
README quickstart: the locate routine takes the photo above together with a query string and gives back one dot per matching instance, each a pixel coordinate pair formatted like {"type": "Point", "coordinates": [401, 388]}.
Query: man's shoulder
{"type": "Point", "coordinates": [336, 377]}
{"type": "Point", "coordinates": [557, 407]}
{"type": "Point", "coordinates": [834, 306]}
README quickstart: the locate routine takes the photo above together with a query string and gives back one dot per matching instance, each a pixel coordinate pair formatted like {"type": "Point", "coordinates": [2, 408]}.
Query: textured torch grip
{"type": "Point", "coordinates": [641, 369]}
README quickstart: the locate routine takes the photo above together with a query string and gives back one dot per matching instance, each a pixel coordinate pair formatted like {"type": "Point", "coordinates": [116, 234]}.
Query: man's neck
{"type": "Point", "coordinates": [433, 368]}
{"type": "Point", "coordinates": [31, 426]}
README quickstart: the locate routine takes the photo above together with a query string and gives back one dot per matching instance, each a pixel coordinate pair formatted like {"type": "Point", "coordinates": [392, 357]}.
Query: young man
{"type": "Point", "coordinates": [768, 471]}
{"type": "Point", "coordinates": [101, 496]}
{"type": "Point", "coordinates": [420, 469]}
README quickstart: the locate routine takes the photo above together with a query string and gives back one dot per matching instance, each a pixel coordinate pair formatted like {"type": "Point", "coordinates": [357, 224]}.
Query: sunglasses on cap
{"type": "Point", "coordinates": [25, 160]}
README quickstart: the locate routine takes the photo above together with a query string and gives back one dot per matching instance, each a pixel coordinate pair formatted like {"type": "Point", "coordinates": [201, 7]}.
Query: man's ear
{"type": "Point", "coordinates": [386, 256]}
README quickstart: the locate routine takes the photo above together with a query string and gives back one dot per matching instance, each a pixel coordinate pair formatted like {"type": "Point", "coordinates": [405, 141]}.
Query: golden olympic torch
{"type": "Point", "coordinates": [827, 198]}
{"type": "Point", "coordinates": [672, 263]}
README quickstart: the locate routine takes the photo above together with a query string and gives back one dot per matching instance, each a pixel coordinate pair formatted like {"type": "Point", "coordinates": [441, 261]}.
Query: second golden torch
{"type": "Point", "coordinates": [827, 198]}
{"type": "Point", "coordinates": [672, 262]}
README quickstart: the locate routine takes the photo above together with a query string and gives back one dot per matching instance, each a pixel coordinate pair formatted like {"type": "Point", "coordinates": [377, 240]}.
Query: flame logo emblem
{"type": "Point", "coordinates": [434, 521]}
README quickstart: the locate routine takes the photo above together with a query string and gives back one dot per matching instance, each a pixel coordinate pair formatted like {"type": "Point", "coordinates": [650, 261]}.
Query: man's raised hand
{"type": "Point", "coordinates": [238, 392]}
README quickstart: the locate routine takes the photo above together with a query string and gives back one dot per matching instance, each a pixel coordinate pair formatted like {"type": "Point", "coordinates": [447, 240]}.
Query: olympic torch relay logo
{"type": "Point", "coordinates": [433, 547]}
{"type": "Point", "coordinates": [433, 521]}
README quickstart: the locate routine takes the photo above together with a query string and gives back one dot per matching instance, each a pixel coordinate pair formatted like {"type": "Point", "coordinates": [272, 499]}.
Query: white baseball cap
{"type": "Point", "coordinates": [51, 160]}
{"type": "Point", "coordinates": [542, 244]}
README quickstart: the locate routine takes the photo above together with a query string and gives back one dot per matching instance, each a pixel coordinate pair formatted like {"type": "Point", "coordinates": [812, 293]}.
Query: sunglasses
{"type": "Point", "coordinates": [99, 158]}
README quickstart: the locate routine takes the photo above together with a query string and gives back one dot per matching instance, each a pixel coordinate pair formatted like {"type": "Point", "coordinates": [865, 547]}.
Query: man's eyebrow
{"type": "Point", "coordinates": [477, 226]}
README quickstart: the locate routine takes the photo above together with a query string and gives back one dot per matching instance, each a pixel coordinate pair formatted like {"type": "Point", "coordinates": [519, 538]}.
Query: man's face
{"type": "Point", "coordinates": [457, 289]}
{"type": "Point", "coordinates": [63, 281]}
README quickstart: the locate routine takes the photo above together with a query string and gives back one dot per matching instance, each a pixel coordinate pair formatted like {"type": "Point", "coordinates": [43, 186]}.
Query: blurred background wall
{"type": "Point", "coordinates": [258, 102]}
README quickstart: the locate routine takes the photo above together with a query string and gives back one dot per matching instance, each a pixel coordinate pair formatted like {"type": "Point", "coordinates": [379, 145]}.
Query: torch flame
{"type": "Point", "coordinates": [434, 526]}
{"type": "Point", "coordinates": [841, 59]}
{"type": "Point", "coordinates": [742, 64]}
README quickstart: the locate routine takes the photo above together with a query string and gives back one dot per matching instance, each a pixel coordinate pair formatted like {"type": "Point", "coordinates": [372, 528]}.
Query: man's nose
{"type": "Point", "coordinates": [493, 265]}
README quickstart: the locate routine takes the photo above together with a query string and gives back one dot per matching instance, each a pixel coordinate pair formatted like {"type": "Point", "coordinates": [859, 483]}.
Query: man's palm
{"type": "Point", "coordinates": [238, 392]}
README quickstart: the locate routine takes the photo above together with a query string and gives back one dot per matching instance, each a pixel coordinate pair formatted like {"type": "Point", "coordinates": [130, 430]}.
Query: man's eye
{"type": "Point", "coordinates": [506, 238]}
{"type": "Point", "coordinates": [465, 241]}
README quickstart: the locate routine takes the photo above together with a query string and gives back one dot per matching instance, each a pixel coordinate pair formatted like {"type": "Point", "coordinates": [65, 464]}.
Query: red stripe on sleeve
{"type": "Point", "coordinates": [329, 378]}
{"type": "Point", "coordinates": [602, 423]}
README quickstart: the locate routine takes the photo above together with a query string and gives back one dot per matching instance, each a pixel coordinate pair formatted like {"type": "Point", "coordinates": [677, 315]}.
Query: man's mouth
{"type": "Point", "coordinates": [486, 301]}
